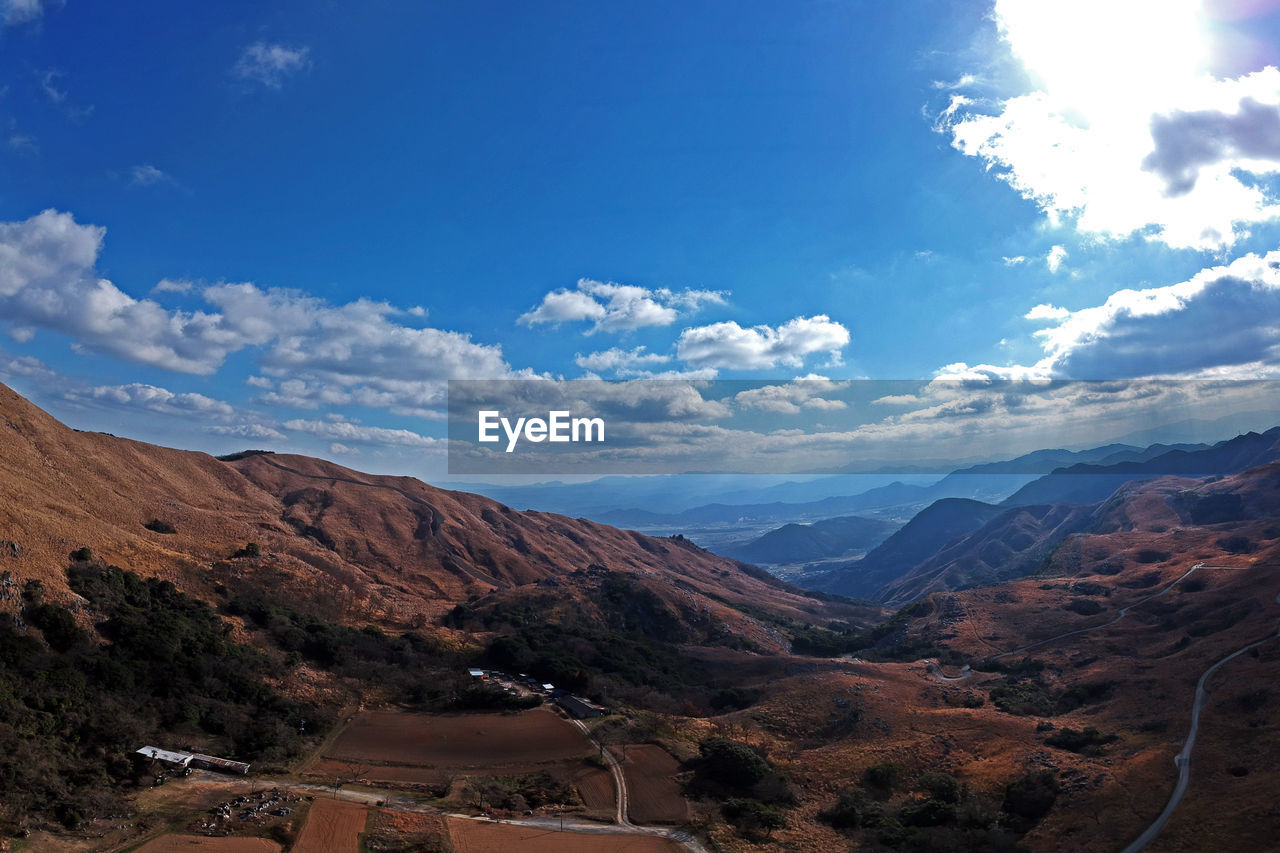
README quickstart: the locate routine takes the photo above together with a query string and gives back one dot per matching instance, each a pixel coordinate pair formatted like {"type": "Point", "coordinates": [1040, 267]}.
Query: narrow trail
{"type": "Point", "coordinates": [1183, 759]}
{"type": "Point", "coordinates": [621, 818]}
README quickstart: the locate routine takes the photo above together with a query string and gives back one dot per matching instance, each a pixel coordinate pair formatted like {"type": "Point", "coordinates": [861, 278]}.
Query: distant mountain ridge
{"type": "Point", "coordinates": [798, 543]}
{"type": "Point", "coordinates": [951, 546]}
{"type": "Point", "coordinates": [932, 528]}
{"type": "Point", "coordinates": [1090, 483]}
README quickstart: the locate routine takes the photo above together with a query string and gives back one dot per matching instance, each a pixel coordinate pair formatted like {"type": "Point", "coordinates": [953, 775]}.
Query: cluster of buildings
{"type": "Point", "coordinates": [185, 760]}
{"type": "Point", "coordinates": [577, 706]}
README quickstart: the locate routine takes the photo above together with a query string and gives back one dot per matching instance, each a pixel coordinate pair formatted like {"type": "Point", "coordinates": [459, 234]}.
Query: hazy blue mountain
{"type": "Point", "coordinates": [941, 522]}
{"type": "Point", "coordinates": [1087, 484]}
{"type": "Point", "coordinates": [797, 543]}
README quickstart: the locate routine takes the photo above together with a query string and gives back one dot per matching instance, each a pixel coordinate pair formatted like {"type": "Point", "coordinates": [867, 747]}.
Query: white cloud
{"type": "Point", "coordinates": [318, 353]}
{"type": "Point", "coordinates": [169, 285]}
{"type": "Point", "coordinates": [615, 307]}
{"type": "Point", "coordinates": [28, 368]}
{"type": "Point", "coordinates": [964, 81]}
{"type": "Point", "coordinates": [1044, 311]}
{"type": "Point", "coordinates": [153, 398]}
{"type": "Point", "coordinates": [271, 64]}
{"type": "Point", "coordinates": [792, 398]}
{"type": "Point", "coordinates": [1014, 261]}
{"type": "Point", "coordinates": [343, 450]}
{"type": "Point", "coordinates": [1223, 322]}
{"type": "Point", "coordinates": [1054, 260]}
{"type": "Point", "coordinates": [619, 360]}
{"type": "Point", "coordinates": [249, 430]}
{"type": "Point", "coordinates": [23, 143]}
{"type": "Point", "coordinates": [1223, 317]}
{"type": "Point", "coordinates": [147, 175]}
{"type": "Point", "coordinates": [564, 306]}
{"type": "Point", "coordinates": [729, 346]}
{"type": "Point", "coordinates": [48, 281]}
{"type": "Point", "coordinates": [346, 431]}
{"type": "Point", "coordinates": [1125, 132]}
{"type": "Point", "coordinates": [14, 12]}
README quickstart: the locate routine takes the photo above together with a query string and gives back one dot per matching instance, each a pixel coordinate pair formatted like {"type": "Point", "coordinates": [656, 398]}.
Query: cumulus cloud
{"type": "Point", "coordinates": [1044, 311]}
{"type": "Point", "coordinates": [1054, 260]}
{"type": "Point", "coordinates": [1223, 322]}
{"type": "Point", "coordinates": [347, 431]}
{"type": "Point", "coordinates": [271, 64]}
{"type": "Point", "coordinates": [1135, 138]}
{"type": "Point", "coordinates": [794, 397]}
{"type": "Point", "coordinates": [48, 281]}
{"type": "Point", "coordinates": [1014, 261]}
{"type": "Point", "coordinates": [312, 352]}
{"type": "Point", "coordinates": [619, 360]}
{"type": "Point", "coordinates": [1223, 317]}
{"type": "Point", "coordinates": [249, 430]}
{"type": "Point", "coordinates": [731, 347]}
{"type": "Point", "coordinates": [169, 285]}
{"type": "Point", "coordinates": [153, 398]}
{"type": "Point", "coordinates": [612, 307]}
{"type": "Point", "coordinates": [1188, 142]}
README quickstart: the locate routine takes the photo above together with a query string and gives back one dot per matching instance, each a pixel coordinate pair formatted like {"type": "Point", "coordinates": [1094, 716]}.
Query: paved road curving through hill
{"type": "Point", "coordinates": [1183, 759]}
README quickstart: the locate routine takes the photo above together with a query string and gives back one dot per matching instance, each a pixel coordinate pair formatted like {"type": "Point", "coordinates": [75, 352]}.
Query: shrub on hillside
{"type": "Point", "coordinates": [1087, 742]}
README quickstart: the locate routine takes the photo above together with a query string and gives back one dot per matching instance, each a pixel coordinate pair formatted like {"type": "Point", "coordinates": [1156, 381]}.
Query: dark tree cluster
{"type": "Point", "coordinates": [160, 669]}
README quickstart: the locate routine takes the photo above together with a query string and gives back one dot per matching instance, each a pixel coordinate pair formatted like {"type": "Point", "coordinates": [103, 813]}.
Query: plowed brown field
{"type": "Point", "coordinates": [652, 793]}
{"type": "Point", "coordinates": [333, 826]}
{"type": "Point", "coordinates": [459, 740]}
{"type": "Point", "coordinates": [596, 788]}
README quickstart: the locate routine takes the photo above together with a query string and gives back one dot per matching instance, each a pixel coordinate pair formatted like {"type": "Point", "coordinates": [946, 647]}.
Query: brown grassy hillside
{"type": "Point", "coordinates": [386, 549]}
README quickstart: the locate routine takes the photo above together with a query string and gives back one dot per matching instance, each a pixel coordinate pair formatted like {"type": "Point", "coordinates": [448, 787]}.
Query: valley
{"type": "Point", "coordinates": [1022, 679]}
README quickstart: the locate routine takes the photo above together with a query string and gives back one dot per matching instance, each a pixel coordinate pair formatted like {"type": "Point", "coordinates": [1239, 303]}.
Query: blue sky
{"type": "Point", "coordinates": [310, 215]}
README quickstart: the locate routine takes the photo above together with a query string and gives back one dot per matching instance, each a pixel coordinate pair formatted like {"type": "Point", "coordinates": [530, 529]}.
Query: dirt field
{"type": "Point", "coordinates": [595, 786]}
{"type": "Point", "coordinates": [330, 769]}
{"type": "Point", "coordinates": [201, 844]}
{"type": "Point", "coordinates": [473, 836]}
{"type": "Point", "coordinates": [652, 793]}
{"type": "Point", "coordinates": [458, 740]}
{"type": "Point", "coordinates": [333, 826]}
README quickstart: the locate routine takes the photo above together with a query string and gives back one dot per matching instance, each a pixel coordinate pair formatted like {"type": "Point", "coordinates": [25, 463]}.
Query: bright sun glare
{"type": "Point", "coordinates": [1102, 55]}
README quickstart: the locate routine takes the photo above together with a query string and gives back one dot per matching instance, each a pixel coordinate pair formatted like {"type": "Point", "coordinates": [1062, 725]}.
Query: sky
{"type": "Point", "coordinates": [287, 225]}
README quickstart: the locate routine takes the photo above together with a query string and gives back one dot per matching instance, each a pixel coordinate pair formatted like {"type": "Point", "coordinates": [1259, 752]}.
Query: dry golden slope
{"type": "Point", "coordinates": [391, 549]}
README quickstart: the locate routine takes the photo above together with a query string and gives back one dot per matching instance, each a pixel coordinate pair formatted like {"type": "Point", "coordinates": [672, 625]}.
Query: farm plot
{"type": "Point", "coordinates": [653, 796]}
{"type": "Point", "coordinates": [458, 741]}
{"type": "Point", "coordinates": [203, 844]}
{"type": "Point", "coordinates": [333, 826]}
{"type": "Point", "coordinates": [473, 836]}
{"type": "Point", "coordinates": [595, 786]}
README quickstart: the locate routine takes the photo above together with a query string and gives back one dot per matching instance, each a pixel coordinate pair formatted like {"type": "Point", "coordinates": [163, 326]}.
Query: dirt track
{"type": "Point", "coordinates": [471, 836]}
{"type": "Point", "coordinates": [202, 844]}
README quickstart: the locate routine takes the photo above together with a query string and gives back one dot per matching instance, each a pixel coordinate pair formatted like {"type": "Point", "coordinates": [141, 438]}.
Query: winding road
{"type": "Point", "coordinates": [1183, 759]}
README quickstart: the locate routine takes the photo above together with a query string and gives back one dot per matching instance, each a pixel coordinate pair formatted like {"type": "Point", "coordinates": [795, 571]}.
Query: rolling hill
{"type": "Point", "coordinates": [797, 543]}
